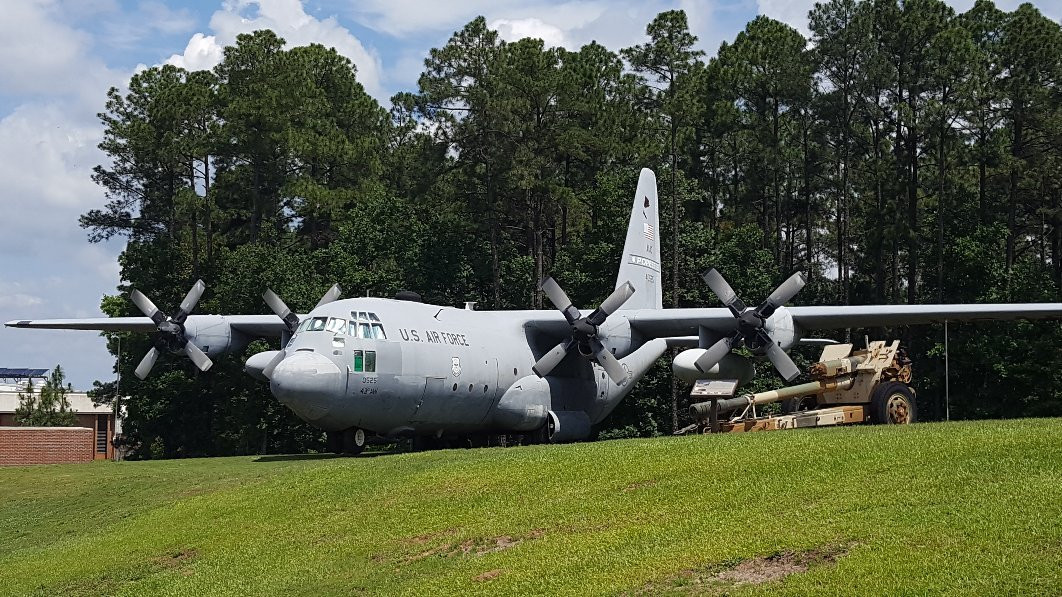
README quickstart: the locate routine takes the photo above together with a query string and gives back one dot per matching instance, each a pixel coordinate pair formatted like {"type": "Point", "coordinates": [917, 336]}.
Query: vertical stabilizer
{"type": "Point", "coordinates": [641, 251]}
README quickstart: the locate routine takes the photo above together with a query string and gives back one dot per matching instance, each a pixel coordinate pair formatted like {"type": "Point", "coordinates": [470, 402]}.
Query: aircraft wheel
{"type": "Point", "coordinates": [422, 443]}
{"type": "Point", "coordinates": [893, 403]}
{"type": "Point", "coordinates": [334, 441]}
{"type": "Point", "coordinates": [354, 440]}
{"type": "Point", "coordinates": [802, 403]}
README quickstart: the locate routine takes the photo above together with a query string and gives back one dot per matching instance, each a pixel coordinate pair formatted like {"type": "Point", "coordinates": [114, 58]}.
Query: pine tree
{"type": "Point", "coordinates": [49, 408]}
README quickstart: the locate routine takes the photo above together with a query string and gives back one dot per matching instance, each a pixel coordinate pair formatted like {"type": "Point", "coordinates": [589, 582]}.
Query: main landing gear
{"type": "Point", "coordinates": [349, 441]}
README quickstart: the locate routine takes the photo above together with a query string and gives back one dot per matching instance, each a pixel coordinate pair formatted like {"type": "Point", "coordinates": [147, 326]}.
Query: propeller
{"type": "Point", "coordinates": [291, 320]}
{"type": "Point", "coordinates": [584, 331]}
{"type": "Point", "coordinates": [751, 324]}
{"type": "Point", "coordinates": [170, 334]}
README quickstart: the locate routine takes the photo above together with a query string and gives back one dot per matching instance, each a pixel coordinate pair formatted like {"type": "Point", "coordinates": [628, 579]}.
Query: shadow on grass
{"type": "Point", "coordinates": [286, 457]}
{"type": "Point", "coordinates": [329, 456]}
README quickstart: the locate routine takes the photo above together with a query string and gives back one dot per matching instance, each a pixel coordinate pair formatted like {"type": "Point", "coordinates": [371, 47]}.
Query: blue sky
{"type": "Point", "coordinates": [60, 57]}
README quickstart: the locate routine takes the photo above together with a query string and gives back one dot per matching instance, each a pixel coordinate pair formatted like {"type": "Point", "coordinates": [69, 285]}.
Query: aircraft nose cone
{"type": "Point", "coordinates": [307, 383]}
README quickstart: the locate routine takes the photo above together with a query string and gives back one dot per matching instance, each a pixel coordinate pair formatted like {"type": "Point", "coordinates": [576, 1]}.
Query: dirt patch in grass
{"type": "Point", "coordinates": [475, 547]}
{"type": "Point", "coordinates": [488, 575]}
{"type": "Point", "coordinates": [765, 569]}
{"type": "Point", "coordinates": [639, 485]}
{"type": "Point", "coordinates": [177, 559]}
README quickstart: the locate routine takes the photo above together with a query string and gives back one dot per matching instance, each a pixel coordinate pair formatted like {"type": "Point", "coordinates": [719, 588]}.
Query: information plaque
{"type": "Point", "coordinates": [714, 388]}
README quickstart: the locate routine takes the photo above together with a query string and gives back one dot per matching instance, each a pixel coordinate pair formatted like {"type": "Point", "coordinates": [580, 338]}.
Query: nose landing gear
{"type": "Point", "coordinates": [349, 441]}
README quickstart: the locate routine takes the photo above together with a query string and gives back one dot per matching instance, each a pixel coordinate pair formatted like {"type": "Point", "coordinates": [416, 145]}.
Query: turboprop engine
{"type": "Point", "coordinates": [206, 335]}
{"type": "Point", "coordinates": [766, 330]}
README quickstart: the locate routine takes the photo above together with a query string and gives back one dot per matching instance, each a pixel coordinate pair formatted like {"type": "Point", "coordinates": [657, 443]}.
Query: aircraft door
{"type": "Point", "coordinates": [496, 391]}
{"type": "Point", "coordinates": [461, 399]}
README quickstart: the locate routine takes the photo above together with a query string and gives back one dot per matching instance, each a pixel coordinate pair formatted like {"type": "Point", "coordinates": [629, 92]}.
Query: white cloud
{"type": "Point", "coordinates": [288, 18]}
{"type": "Point", "coordinates": [48, 146]}
{"type": "Point", "coordinates": [512, 30]}
{"type": "Point", "coordinates": [19, 300]}
{"type": "Point", "coordinates": [15, 295]}
{"type": "Point", "coordinates": [203, 52]}
{"type": "Point", "coordinates": [791, 12]}
{"type": "Point", "coordinates": [44, 55]}
{"type": "Point", "coordinates": [46, 160]}
{"type": "Point", "coordinates": [406, 17]}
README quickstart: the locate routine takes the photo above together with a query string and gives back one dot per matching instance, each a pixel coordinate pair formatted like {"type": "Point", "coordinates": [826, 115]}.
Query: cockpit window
{"type": "Point", "coordinates": [336, 325]}
{"type": "Point", "coordinates": [317, 324]}
{"type": "Point", "coordinates": [364, 324]}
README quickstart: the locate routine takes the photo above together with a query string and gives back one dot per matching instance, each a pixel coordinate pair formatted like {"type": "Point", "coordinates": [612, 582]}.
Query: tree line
{"type": "Point", "coordinates": [904, 153]}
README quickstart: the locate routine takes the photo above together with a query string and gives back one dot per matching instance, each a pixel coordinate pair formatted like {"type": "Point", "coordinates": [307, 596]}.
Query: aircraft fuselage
{"type": "Point", "coordinates": [396, 367]}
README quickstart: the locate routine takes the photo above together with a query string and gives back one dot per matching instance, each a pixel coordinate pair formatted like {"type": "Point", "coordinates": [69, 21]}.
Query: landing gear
{"type": "Point", "coordinates": [334, 441]}
{"type": "Point", "coordinates": [354, 440]}
{"type": "Point", "coordinates": [893, 403]}
{"type": "Point", "coordinates": [349, 441]}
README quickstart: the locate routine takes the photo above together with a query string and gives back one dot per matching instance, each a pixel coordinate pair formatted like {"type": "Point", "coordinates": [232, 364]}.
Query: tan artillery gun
{"type": "Point", "coordinates": [867, 385]}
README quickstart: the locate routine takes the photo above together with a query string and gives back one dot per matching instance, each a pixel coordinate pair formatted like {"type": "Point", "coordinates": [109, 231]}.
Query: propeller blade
{"type": "Point", "coordinates": [782, 295]}
{"type": "Point", "coordinates": [332, 294]}
{"type": "Point", "coordinates": [560, 299]}
{"type": "Point", "coordinates": [147, 307]}
{"type": "Point", "coordinates": [715, 353]}
{"type": "Point", "coordinates": [611, 304]}
{"type": "Point", "coordinates": [190, 301]}
{"type": "Point", "coordinates": [551, 359]}
{"type": "Point", "coordinates": [267, 371]}
{"type": "Point", "coordinates": [608, 362]}
{"type": "Point", "coordinates": [722, 289]}
{"type": "Point", "coordinates": [144, 368]}
{"type": "Point", "coordinates": [277, 305]}
{"type": "Point", "coordinates": [785, 365]}
{"type": "Point", "coordinates": [198, 357]}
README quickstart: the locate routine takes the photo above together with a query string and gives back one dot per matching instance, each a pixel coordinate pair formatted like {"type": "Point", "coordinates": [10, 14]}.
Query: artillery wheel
{"type": "Point", "coordinates": [798, 404]}
{"type": "Point", "coordinates": [893, 403]}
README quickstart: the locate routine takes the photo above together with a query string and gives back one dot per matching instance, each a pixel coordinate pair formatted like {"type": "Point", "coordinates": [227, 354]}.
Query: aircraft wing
{"type": "Point", "coordinates": [254, 325]}
{"type": "Point", "coordinates": [684, 322]}
{"type": "Point", "coordinates": [828, 318]}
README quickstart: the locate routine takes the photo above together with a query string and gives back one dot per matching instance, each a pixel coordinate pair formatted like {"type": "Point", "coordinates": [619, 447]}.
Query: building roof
{"type": "Point", "coordinates": [79, 403]}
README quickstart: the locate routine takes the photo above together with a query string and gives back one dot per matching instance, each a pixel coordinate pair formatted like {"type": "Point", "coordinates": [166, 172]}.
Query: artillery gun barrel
{"type": "Point", "coordinates": [835, 367]}
{"type": "Point", "coordinates": [701, 410]}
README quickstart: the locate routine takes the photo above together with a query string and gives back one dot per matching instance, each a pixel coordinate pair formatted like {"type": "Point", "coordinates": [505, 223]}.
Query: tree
{"type": "Point", "coordinates": [49, 407]}
{"type": "Point", "coordinates": [668, 59]}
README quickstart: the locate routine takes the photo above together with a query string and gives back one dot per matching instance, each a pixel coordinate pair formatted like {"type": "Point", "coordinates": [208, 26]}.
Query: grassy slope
{"type": "Point", "coordinates": [966, 508]}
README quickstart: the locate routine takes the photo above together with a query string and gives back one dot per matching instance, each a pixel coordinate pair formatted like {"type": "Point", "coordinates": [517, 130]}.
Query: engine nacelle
{"type": "Point", "coordinates": [782, 329]}
{"type": "Point", "coordinates": [567, 426]}
{"type": "Point", "coordinates": [731, 367]}
{"type": "Point", "coordinates": [213, 335]}
{"type": "Point", "coordinates": [256, 363]}
{"type": "Point", "coordinates": [615, 333]}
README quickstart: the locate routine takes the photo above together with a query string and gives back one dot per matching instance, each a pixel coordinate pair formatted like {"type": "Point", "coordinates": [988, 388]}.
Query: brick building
{"type": "Point", "coordinates": [90, 438]}
{"type": "Point", "coordinates": [20, 446]}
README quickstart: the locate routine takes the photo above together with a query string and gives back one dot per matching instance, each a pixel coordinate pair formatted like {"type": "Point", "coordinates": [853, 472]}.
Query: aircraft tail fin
{"type": "Point", "coordinates": [641, 251]}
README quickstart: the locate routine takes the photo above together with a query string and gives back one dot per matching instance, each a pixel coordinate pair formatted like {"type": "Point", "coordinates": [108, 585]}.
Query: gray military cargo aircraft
{"type": "Point", "coordinates": [397, 368]}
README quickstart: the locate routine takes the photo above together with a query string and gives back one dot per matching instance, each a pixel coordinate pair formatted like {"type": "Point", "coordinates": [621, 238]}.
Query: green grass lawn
{"type": "Point", "coordinates": [960, 508]}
